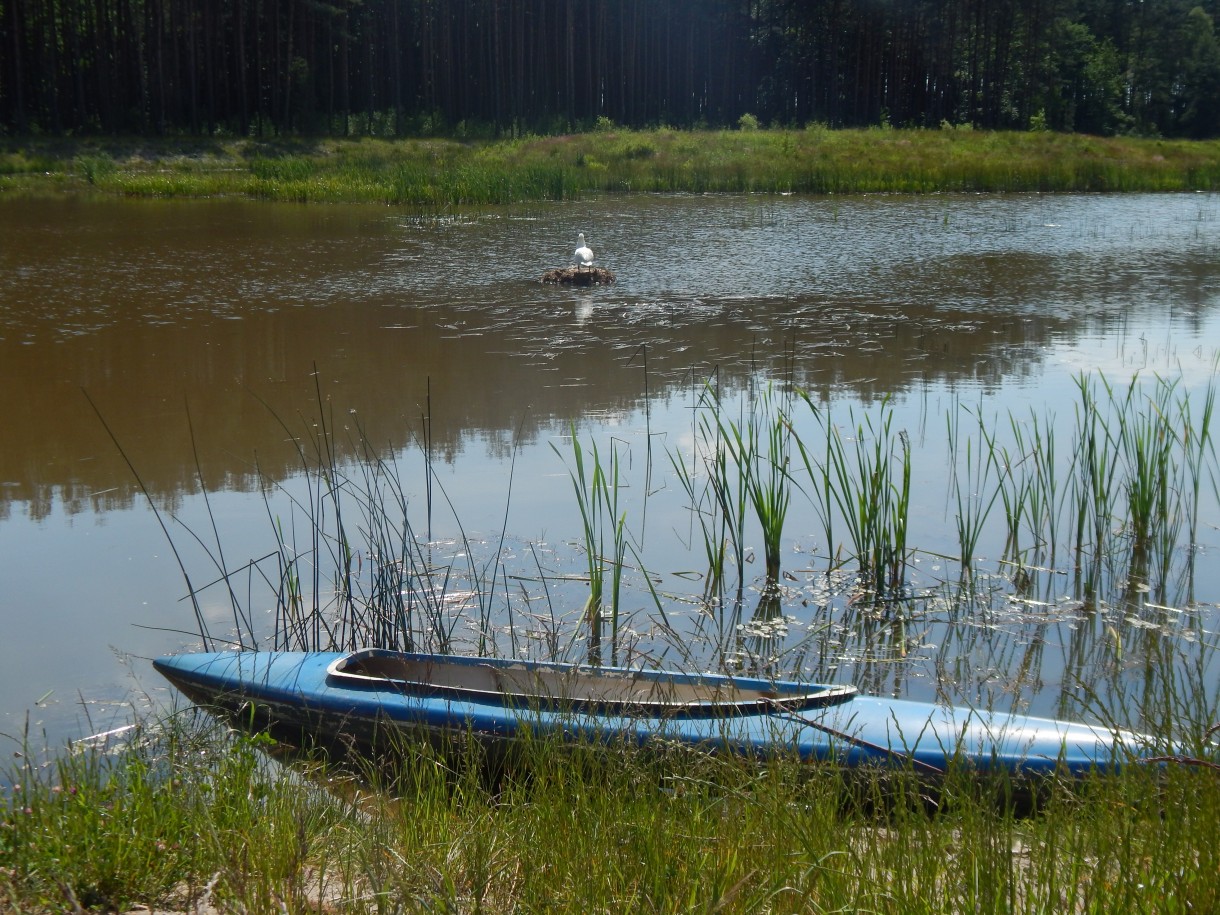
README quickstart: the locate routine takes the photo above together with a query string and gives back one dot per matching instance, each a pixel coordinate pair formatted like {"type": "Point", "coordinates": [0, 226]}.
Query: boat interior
{"type": "Point", "coordinates": [521, 683]}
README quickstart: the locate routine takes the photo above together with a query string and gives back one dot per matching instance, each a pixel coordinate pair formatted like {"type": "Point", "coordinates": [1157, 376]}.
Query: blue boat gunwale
{"type": "Point", "coordinates": [631, 692]}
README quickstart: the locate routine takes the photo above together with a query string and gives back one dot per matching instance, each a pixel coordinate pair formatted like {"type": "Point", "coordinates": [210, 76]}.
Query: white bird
{"type": "Point", "coordinates": [583, 254]}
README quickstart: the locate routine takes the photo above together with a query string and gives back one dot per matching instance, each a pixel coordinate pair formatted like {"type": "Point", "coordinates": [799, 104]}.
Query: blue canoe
{"type": "Point", "coordinates": [363, 699]}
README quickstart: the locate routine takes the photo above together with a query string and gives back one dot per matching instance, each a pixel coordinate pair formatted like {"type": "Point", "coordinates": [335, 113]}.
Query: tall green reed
{"type": "Point", "coordinates": [761, 449]}
{"type": "Point", "coordinates": [1139, 455]}
{"type": "Point", "coordinates": [742, 465]}
{"type": "Point", "coordinates": [971, 465]}
{"type": "Point", "coordinates": [597, 488]}
{"type": "Point", "coordinates": [739, 472]}
{"type": "Point", "coordinates": [713, 523]}
{"type": "Point", "coordinates": [1040, 499]}
{"type": "Point", "coordinates": [721, 508]}
{"type": "Point", "coordinates": [1198, 450]}
{"type": "Point", "coordinates": [864, 480]}
{"type": "Point", "coordinates": [1106, 846]}
{"type": "Point", "coordinates": [349, 567]}
{"type": "Point", "coordinates": [1095, 456]}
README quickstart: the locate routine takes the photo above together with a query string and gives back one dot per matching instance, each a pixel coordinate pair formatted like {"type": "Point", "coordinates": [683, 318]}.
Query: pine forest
{"type": "Point", "coordinates": [515, 67]}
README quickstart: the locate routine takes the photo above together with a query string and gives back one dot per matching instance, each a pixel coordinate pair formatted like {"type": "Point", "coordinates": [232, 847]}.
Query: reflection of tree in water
{"type": "Point", "coordinates": [218, 304]}
{"type": "Point", "coordinates": [503, 372]}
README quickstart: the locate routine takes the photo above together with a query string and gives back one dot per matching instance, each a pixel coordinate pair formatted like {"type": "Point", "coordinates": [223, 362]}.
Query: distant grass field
{"type": "Point", "coordinates": [444, 172]}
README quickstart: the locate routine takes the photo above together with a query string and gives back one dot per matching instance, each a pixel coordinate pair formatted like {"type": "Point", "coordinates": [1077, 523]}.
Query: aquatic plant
{"type": "Point", "coordinates": [857, 482]}
{"type": "Point", "coordinates": [1137, 475]}
{"type": "Point", "coordinates": [724, 526]}
{"type": "Point", "coordinates": [867, 602]}
{"type": "Point", "coordinates": [971, 465]}
{"type": "Point", "coordinates": [1030, 489]}
{"type": "Point", "coordinates": [597, 495]}
{"type": "Point", "coordinates": [761, 449]}
{"type": "Point", "coordinates": [348, 567]}
{"type": "Point", "coordinates": [1095, 458]}
{"type": "Point", "coordinates": [712, 522]}
{"type": "Point", "coordinates": [746, 465]}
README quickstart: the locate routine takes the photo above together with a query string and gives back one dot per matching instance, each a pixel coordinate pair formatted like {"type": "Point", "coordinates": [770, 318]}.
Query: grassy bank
{"type": "Point", "coordinates": [186, 816]}
{"type": "Point", "coordinates": [440, 172]}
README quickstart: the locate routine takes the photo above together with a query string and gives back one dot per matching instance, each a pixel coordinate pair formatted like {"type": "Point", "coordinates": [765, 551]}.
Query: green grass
{"type": "Point", "coordinates": [189, 814]}
{"type": "Point", "coordinates": [435, 172]}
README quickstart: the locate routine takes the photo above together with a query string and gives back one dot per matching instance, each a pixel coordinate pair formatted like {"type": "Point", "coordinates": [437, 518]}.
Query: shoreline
{"type": "Point", "coordinates": [442, 172]}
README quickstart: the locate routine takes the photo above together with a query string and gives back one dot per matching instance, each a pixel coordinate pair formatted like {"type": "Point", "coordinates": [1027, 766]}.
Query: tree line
{"type": "Point", "coordinates": [397, 67]}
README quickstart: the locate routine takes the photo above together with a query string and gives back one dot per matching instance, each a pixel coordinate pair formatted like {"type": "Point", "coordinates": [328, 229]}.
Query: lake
{"type": "Point", "coordinates": [198, 356]}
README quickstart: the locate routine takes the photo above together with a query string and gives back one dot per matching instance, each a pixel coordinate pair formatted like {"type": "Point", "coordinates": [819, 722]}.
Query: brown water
{"type": "Point", "coordinates": [199, 329]}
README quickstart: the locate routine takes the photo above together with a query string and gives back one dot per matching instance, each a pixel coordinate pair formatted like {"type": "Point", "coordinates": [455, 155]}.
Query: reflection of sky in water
{"type": "Point", "coordinates": [944, 304]}
{"type": "Point", "coordinates": [1165, 348]}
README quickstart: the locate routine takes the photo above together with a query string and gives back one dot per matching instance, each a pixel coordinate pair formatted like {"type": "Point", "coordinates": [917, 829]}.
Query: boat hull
{"type": "Point", "coordinates": [300, 695]}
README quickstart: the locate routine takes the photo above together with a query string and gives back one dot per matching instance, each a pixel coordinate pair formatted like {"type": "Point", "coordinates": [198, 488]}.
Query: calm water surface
{"type": "Point", "coordinates": [200, 334]}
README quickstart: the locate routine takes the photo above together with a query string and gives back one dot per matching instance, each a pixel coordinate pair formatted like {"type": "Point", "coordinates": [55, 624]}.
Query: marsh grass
{"type": "Point", "coordinates": [975, 482]}
{"type": "Point", "coordinates": [1096, 548]}
{"type": "Point", "coordinates": [436, 172]}
{"type": "Point", "coordinates": [712, 523]}
{"type": "Point", "coordinates": [1134, 481]}
{"type": "Point", "coordinates": [717, 489]}
{"type": "Point", "coordinates": [187, 815]}
{"type": "Point", "coordinates": [1029, 480]}
{"type": "Point", "coordinates": [864, 478]}
{"type": "Point", "coordinates": [604, 528]}
{"type": "Point", "coordinates": [348, 566]}
{"type": "Point", "coordinates": [761, 448]}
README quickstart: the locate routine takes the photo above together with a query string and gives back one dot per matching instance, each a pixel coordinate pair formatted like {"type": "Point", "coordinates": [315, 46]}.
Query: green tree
{"type": "Point", "coordinates": [1200, 92]}
{"type": "Point", "coordinates": [1089, 77]}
